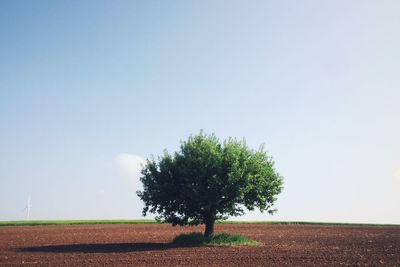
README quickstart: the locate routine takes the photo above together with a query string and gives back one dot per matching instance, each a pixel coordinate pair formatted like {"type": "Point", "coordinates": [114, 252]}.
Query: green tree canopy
{"type": "Point", "coordinates": [208, 180]}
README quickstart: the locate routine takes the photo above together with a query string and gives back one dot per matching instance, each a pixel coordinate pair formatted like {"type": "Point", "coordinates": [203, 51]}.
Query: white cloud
{"type": "Point", "coordinates": [397, 174]}
{"type": "Point", "coordinates": [100, 191]}
{"type": "Point", "coordinates": [129, 166]}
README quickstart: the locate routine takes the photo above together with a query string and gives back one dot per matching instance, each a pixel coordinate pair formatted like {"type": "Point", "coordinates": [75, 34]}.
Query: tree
{"type": "Point", "coordinates": [208, 180]}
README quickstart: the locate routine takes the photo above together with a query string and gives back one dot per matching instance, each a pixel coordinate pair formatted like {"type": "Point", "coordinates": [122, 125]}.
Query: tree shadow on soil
{"type": "Point", "coordinates": [102, 248]}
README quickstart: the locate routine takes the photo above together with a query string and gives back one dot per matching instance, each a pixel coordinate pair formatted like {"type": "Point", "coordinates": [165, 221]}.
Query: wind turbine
{"type": "Point", "coordinates": [28, 208]}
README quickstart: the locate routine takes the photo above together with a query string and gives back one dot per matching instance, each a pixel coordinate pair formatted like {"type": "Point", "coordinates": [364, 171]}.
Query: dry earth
{"type": "Point", "coordinates": [148, 245]}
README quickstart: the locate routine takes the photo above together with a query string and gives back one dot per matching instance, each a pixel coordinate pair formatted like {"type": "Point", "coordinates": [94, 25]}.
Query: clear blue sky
{"type": "Point", "coordinates": [90, 88]}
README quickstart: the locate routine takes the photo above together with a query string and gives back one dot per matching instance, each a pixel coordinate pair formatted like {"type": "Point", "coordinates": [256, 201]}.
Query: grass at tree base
{"type": "Point", "coordinates": [222, 239]}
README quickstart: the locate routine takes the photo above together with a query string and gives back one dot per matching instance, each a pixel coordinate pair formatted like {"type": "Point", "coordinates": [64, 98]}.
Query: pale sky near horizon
{"type": "Point", "coordinates": [88, 89]}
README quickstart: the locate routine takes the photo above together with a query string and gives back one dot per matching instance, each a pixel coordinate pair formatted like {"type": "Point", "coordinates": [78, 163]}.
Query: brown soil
{"type": "Point", "coordinates": [148, 245]}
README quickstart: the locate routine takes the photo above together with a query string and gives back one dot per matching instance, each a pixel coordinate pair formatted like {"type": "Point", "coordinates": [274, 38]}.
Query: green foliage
{"type": "Point", "coordinates": [197, 239]}
{"type": "Point", "coordinates": [208, 180]}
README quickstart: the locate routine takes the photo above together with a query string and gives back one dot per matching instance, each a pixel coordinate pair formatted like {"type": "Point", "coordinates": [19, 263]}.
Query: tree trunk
{"type": "Point", "coordinates": [209, 231]}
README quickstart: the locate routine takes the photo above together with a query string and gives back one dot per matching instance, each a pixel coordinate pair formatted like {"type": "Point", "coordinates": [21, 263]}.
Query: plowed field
{"type": "Point", "coordinates": [149, 245]}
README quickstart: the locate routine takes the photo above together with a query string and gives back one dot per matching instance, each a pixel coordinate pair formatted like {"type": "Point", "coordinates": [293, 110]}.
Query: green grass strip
{"type": "Point", "coordinates": [222, 239]}
{"type": "Point", "coordinates": [71, 222]}
{"type": "Point", "coordinates": [309, 223]}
